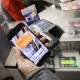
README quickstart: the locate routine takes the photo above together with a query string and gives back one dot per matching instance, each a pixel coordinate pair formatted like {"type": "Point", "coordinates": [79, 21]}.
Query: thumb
{"type": "Point", "coordinates": [17, 54]}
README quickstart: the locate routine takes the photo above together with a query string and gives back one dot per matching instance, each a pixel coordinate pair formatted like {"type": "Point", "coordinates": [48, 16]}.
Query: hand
{"type": "Point", "coordinates": [25, 65]}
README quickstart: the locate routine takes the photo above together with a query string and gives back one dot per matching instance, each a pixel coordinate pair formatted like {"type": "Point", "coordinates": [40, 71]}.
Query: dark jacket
{"type": "Point", "coordinates": [43, 74]}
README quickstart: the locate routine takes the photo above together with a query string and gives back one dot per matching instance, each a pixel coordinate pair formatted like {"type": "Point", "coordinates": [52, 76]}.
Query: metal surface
{"type": "Point", "coordinates": [5, 46]}
{"type": "Point", "coordinates": [53, 14]}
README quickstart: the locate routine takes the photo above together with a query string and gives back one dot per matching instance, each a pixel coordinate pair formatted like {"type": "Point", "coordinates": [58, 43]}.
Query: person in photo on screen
{"type": "Point", "coordinates": [29, 51]}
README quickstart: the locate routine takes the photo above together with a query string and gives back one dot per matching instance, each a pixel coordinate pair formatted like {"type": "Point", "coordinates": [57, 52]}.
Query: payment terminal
{"type": "Point", "coordinates": [49, 30]}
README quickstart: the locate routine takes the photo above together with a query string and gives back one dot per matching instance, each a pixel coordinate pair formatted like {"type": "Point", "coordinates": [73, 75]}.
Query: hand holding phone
{"type": "Point", "coordinates": [25, 65]}
{"type": "Point", "coordinates": [28, 43]}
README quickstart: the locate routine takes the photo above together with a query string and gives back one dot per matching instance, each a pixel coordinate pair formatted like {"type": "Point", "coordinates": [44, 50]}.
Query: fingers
{"type": "Point", "coordinates": [37, 34]}
{"type": "Point", "coordinates": [42, 39]}
{"type": "Point", "coordinates": [47, 44]}
{"type": "Point", "coordinates": [18, 55]}
{"type": "Point", "coordinates": [17, 52]}
{"type": "Point", "coordinates": [44, 64]}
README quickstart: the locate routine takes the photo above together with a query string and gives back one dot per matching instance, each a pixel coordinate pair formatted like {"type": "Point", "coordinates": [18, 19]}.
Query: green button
{"type": "Point", "coordinates": [75, 65]}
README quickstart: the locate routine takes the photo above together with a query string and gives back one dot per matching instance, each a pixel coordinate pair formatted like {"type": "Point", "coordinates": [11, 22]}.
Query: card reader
{"type": "Point", "coordinates": [48, 30]}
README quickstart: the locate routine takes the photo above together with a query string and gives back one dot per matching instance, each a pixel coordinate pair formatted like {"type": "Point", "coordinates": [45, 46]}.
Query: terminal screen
{"type": "Point", "coordinates": [68, 62]}
{"type": "Point", "coordinates": [42, 24]}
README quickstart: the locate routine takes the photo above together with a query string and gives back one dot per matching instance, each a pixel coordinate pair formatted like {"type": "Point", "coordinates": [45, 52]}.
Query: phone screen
{"type": "Point", "coordinates": [29, 44]}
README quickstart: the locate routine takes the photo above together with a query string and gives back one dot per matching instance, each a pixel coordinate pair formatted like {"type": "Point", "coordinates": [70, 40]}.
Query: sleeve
{"type": "Point", "coordinates": [43, 74]}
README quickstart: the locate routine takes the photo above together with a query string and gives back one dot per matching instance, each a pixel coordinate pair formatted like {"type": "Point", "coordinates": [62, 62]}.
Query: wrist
{"type": "Point", "coordinates": [31, 71]}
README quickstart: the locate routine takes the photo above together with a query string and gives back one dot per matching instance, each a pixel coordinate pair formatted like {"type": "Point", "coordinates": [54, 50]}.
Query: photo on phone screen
{"type": "Point", "coordinates": [28, 44]}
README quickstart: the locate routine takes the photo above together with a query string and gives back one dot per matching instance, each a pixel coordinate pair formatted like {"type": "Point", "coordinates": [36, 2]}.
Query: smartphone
{"type": "Point", "coordinates": [29, 45]}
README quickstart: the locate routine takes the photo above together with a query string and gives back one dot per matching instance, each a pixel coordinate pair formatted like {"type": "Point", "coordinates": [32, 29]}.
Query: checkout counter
{"type": "Point", "coordinates": [67, 48]}
{"type": "Point", "coordinates": [63, 55]}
